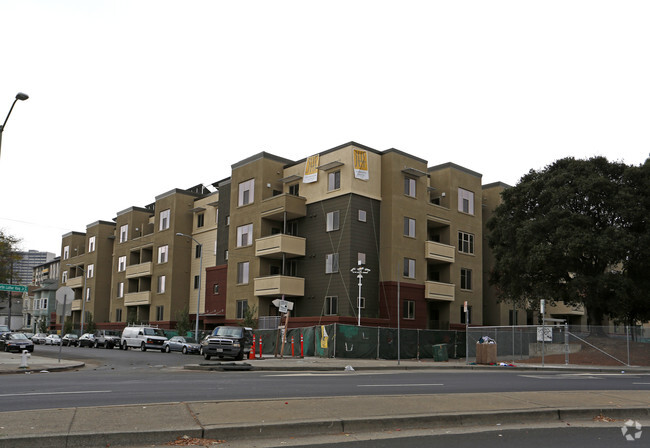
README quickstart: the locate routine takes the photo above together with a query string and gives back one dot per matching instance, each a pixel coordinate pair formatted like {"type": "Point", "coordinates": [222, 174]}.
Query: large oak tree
{"type": "Point", "coordinates": [576, 231]}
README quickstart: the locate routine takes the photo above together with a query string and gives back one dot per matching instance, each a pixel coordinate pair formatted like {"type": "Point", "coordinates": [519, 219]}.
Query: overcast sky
{"type": "Point", "coordinates": [130, 99]}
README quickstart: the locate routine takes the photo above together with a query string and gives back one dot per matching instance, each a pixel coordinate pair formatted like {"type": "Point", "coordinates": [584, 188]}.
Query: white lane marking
{"type": "Point", "coordinates": [399, 385]}
{"type": "Point", "coordinates": [642, 383]}
{"type": "Point", "coordinates": [329, 374]}
{"type": "Point", "coordinates": [58, 393]}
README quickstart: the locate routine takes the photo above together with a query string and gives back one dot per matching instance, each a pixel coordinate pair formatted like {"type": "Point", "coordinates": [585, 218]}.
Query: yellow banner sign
{"type": "Point", "coordinates": [361, 164]}
{"type": "Point", "coordinates": [311, 169]}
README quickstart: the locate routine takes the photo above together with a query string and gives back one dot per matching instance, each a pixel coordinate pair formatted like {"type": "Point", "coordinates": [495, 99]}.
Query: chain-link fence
{"type": "Point", "coordinates": [552, 344]}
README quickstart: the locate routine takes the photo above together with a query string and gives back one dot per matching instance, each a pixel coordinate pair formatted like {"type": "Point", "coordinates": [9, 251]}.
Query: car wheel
{"type": "Point", "coordinates": [6, 348]}
{"type": "Point", "coordinates": [143, 347]}
{"type": "Point", "coordinates": [239, 356]}
{"type": "Point", "coordinates": [206, 356]}
{"type": "Point", "coordinates": [95, 344]}
{"type": "Point", "coordinates": [184, 350]}
{"type": "Point", "coordinates": [167, 349]}
{"type": "Point", "coordinates": [125, 346]}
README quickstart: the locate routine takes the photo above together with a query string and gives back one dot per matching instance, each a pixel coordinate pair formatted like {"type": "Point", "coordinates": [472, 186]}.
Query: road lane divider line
{"type": "Point", "coordinates": [400, 385]}
{"type": "Point", "coordinates": [25, 394]}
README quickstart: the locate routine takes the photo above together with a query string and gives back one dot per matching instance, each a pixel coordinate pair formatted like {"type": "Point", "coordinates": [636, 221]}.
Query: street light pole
{"type": "Point", "coordinates": [360, 271]}
{"type": "Point", "coordinates": [19, 96]}
{"type": "Point", "coordinates": [198, 298]}
{"type": "Point", "coordinates": [83, 301]}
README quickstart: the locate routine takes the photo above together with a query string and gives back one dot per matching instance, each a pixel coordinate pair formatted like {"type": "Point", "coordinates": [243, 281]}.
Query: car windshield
{"type": "Point", "coordinates": [71, 336]}
{"type": "Point", "coordinates": [190, 340]}
{"type": "Point", "coordinates": [228, 332]}
{"type": "Point", "coordinates": [112, 333]}
{"type": "Point", "coordinates": [17, 336]}
{"type": "Point", "coordinates": [154, 332]}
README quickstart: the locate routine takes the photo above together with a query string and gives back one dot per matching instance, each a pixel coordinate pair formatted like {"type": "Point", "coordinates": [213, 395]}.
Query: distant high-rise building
{"type": "Point", "coordinates": [23, 271]}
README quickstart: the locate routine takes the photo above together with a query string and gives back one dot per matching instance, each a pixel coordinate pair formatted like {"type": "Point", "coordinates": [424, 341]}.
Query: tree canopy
{"type": "Point", "coordinates": [576, 231]}
{"type": "Point", "coordinates": [7, 255]}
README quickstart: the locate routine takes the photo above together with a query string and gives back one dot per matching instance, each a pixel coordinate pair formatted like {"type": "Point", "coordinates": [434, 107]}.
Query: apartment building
{"type": "Point", "coordinates": [85, 267]}
{"type": "Point", "coordinates": [23, 268]}
{"type": "Point", "coordinates": [47, 271]}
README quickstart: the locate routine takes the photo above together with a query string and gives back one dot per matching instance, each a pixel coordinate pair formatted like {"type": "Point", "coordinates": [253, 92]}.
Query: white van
{"type": "Point", "coordinates": [143, 337]}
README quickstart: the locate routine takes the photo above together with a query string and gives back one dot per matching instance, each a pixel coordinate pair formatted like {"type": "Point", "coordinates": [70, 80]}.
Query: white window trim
{"type": "Point", "coordinates": [469, 196]}
{"type": "Point", "coordinates": [333, 220]}
{"type": "Point", "coordinates": [165, 218]}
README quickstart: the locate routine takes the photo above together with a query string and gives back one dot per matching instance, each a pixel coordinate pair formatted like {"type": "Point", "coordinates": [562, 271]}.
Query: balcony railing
{"type": "Point", "coordinates": [440, 291]}
{"type": "Point", "coordinates": [275, 245]}
{"type": "Point", "coordinates": [76, 305]}
{"type": "Point", "coordinates": [277, 285]}
{"type": "Point", "coordinates": [275, 207]}
{"type": "Point", "coordinates": [137, 298]}
{"type": "Point", "coordinates": [438, 252]}
{"type": "Point", "coordinates": [138, 270]}
{"type": "Point", "coordinates": [76, 282]}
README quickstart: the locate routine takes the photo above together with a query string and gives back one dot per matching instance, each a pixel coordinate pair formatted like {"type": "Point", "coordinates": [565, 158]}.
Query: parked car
{"type": "Point", "coordinates": [70, 340]}
{"type": "Point", "coordinates": [4, 329]}
{"type": "Point", "coordinates": [231, 342]}
{"type": "Point", "coordinates": [28, 335]}
{"type": "Point", "coordinates": [181, 344]}
{"type": "Point", "coordinates": [143, 337]}
{"type": "Point", "coordinates": [107, 338]}
{"type": "Point", "coordinates": [15, 342]}
{"type": "Point", "coordinates": [39, 338]}
{"type": "Point", "coordinates": [53, 339]}
{"type": "Point", "coordinates": [86, 340]}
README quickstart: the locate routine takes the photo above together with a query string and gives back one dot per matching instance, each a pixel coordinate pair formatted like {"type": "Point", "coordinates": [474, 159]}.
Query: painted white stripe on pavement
{"type": "Point", "coordinates": [398, 385]}
{"type": "Point", "coordinates": [58, 393]}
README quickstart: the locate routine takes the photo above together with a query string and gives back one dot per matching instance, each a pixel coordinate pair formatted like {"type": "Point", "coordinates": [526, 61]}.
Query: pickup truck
{"type": "Point", "coordinates": [228, 342]}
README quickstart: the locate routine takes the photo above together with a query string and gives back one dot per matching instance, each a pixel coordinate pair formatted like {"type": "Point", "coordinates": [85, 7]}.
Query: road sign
{"type": "Point", "coordinates": [12, 288]}
{"type": "Point", "coordinates": [64, 295]}
{"type": "Point", "coordinates": [284, 305]}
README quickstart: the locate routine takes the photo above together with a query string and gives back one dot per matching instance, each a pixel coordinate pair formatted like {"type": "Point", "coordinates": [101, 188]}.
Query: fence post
{"type": "Point", "coordinates": [377, 343]}
{"type": "Point", "coordinates": [566, 343]}
{"type": "Point", "coordinates": [627, 330]}
{"type": "Point", "coordinates": [334, 340]}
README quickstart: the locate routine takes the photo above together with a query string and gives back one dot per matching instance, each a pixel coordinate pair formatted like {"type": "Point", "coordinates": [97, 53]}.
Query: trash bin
{"type": "Point", "coordinates": [486, 353]}
{"type": "Point", "coordinates": [440, 352]}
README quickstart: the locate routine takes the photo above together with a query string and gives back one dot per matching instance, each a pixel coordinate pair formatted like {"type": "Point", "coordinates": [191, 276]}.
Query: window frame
{"type": "Point", "coordinates": [408, 309]}
{"type": "Point", "coordinates": [333, 221]}
{"type": "Point", "coordinates": [334, 180]}
{"type": "Point", "coordinates": [124, 233]}
{"type": "Point", "coordinates": [465, 240]}
{"type": "Point", "coordinates": [90, 271]}
{"type": "Point", "coordinates": [466, 195]}
{"type": "Point", "coordinates": [91, 244]}
{"type": "Point", "coordinates": [163, 254]}
{"type": "Point", "coordinates": [243, 272]}
{"type": "Point", "coordinates": [409, 227]}
{"type": "Point", "coordinates": [120, 290]}
{"type": "Point", "coordinates": [165, 219]}
{"type": "Point", "coordinates": [246, 229]}
{"type": "Point", "coordinates": [248, 186]}
{"type": "Point", "coordinates": [161, 284]}
{"type": "Point", "coordinates": [200, 220]}
{"type": "Point", "coordinates": [121, 263]}
{"type": "Point", "coordinates": [332, 263]}
{"type": "Point", "coordinates": [242, 306]}
{"type": "Point", "coordinates": [410, 186]}
{"type": "Point", "coordinates": [331, 305]}
{"type": "Point", "coordinates": [409, 267]}
{"type": "Point", "coordinates": [466, 279]}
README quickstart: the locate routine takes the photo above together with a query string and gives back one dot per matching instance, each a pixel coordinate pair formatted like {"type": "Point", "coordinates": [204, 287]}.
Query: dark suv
{"type": "Point", "coordinates": [107, 338]}
{"type": "Point", "coordinates": [231, 342]}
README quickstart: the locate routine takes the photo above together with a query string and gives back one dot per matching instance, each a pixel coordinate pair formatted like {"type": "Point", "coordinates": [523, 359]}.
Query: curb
{"type": "Point", "coordinates": [324, 427]}
{"type": "Point", "coordinates": [48, 368]}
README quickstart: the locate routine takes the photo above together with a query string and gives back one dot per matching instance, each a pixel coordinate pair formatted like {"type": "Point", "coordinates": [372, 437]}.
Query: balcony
{"type": "Point", "coordinates": [275, 245]}
{"type": "Point", "coordinates": [275, 207]}
{"type": "Point", "coordinates": [278, 285]}
{"type": "Point", "coordinates": [445, 292]}
{"type": "Point", "coordinates": [76, 282]}
{"type": "Point", "coordinates": [137, 298]}
{"type": "Point", "coordinates": [76, 305]}
{"type": "Point", "coordinates": [439, 253]}
{"type": "Point", "coordinates": [138, 270]}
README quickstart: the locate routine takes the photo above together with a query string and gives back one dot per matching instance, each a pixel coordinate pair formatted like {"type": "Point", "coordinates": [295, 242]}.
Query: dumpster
{"type": "Point", "coordinates": [440, 352]}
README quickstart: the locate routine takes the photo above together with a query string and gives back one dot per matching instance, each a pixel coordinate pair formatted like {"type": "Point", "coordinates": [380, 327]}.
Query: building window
{"type": "Point", "coordinates": [161, 284]}
{"type": "Point", "coordinates": [64, 277]}
{"type": "Point", "coordinates": [333, 221]}
{"type": "Point", "coordinates": [164, 220]}
{"type": "Point", "coordinates": [87, 294]}
{"type": "Point", "coordinates": [91, 244]}
{"type": "Point", "coordinates": [121, 263]}
{"type": "Point", "coordinates": [465, 201]}
{"type": "Point", "coordinates": [409, 227]}
{"type": "Point", "coordinates": [409, 309]}
{"type": "Point", "coordinates": [197, 251]}
{"type": "Point", "coordinates": [246, 190]}
{"type": "Point", "coordinates": [160, 312]}
{"type": "Point", "coordinates": [361, 258]}
{"type": "Point", "coordinates": [331, 263]}
{"type": "Point", "coordinates": [242, 272]}
{"type": "Point", "coordinates": [90, 272]}
{"type": "Point", "coordinates": [120, 290]}
{"type": "Point", "coordinates": [465, 242]}
{"type": "Point", "coordinates": [197, 281]}
{"type": "Point", "coordinates": [245, 235]}
{"type": "Point", "coordinates": [124, 233]}
{"type": "Point", "coordinates": [462, 315]}
{"type": "Point", "coordinates": [331, 306]}
{"type": "Point", "coordinates": [512, 317]}
{"type": "Point", "coordinates": [409, 268]}
{"type": "Point", "coordinates": [118, 315]}
{"type": "Point", "coordinates": [66, 252]}
{"type": "Point", "coordinates": [44, 304]}
{"type": "Point", "coordinates": [242, 306]}
{"type": "Point", "coordinates": [200, 220]}
{"type": "Point", "coordinates": [163, 254]}
{"type": "Point", "coordinates": [215, 288]}
{"type": "Point", "coordinates": [465, 278]}
{"type": "Point", "coordinates": [334, 181]}
{"type": "Point", "coordinates": [294, 189]}
{"type": "Point", "coordinates": [409, 187]}
{"type": "Point", "coordinates": [225, 255]}
{"type": "Point", "coordinates": [228, 220]}
{"type": "Point", "coordinates": [362, 215]}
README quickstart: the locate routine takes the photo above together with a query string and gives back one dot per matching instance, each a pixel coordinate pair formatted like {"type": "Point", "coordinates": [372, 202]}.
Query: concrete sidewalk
{"type": "Point", "coordinates": [246, 420]}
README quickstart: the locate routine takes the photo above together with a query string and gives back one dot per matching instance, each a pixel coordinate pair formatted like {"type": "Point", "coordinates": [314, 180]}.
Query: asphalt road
{"type": "Point", "coordinates": [114, 377]}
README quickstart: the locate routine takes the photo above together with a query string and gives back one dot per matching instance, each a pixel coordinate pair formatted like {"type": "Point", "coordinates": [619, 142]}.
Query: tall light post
{"type": "Point", "coordinates": [83, 300]}
{"type": "Point", "coordinates": [360, 271]}
{"type": "Point", "coordinates": [198, 298]}
{"type": "Point", "coordinates": [19, 96]}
